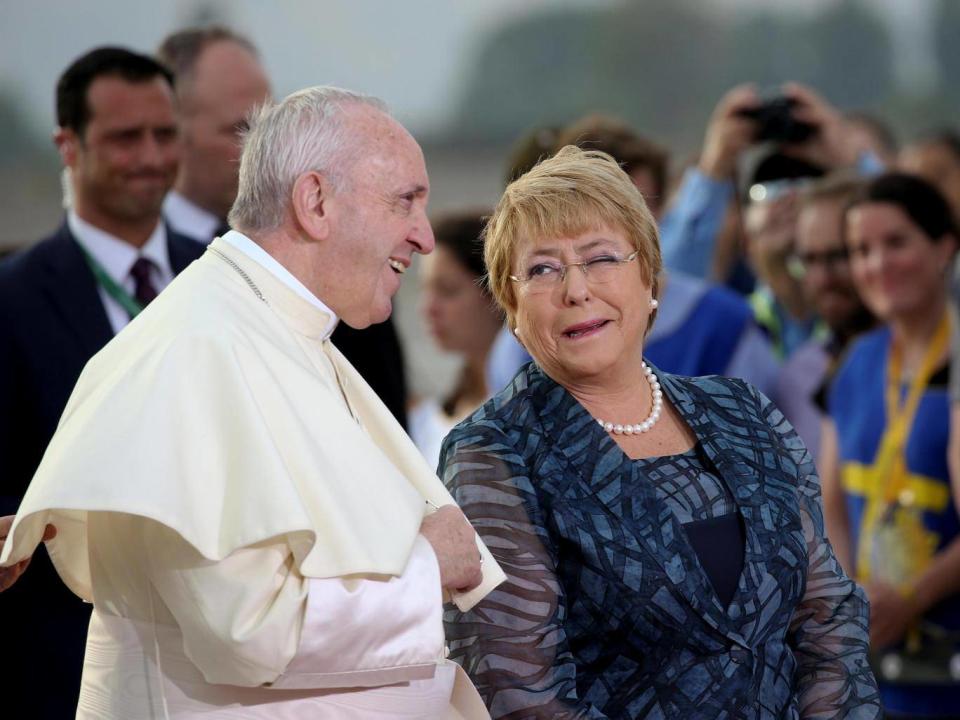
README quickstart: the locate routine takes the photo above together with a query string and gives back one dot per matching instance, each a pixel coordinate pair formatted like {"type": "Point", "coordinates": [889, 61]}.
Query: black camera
{"type": "Point", "coordinates": [775, 121]}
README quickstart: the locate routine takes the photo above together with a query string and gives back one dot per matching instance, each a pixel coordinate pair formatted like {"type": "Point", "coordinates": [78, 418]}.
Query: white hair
{"type": "Point", "coordinates": [304, 132]}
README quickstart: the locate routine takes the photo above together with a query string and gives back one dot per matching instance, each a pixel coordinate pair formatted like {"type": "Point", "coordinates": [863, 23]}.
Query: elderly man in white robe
{"type": "Point", "coordinates": [258, 536]}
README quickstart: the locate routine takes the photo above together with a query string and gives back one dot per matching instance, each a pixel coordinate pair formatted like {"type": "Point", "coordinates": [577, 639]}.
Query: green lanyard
{"type": "Point", "coordinates": [114, 290]}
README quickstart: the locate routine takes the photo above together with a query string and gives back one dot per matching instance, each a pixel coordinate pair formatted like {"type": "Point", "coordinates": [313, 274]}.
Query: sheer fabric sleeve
{"type": "Point", "coordinates": [829, 628]}
{"type": "Point", "coordinates": [512, 644]}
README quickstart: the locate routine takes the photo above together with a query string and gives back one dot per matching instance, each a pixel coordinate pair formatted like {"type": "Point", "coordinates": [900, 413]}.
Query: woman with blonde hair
{"type": "Point", "coordinates": [662, 535]}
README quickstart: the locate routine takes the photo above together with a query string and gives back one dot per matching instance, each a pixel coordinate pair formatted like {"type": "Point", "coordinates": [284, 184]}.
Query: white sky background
{"type": "Point", "coordinates": [413, 54]}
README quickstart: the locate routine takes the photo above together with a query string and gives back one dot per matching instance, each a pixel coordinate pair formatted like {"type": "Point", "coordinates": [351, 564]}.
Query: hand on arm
{"type": "Point", "coordinates": [454, 543]}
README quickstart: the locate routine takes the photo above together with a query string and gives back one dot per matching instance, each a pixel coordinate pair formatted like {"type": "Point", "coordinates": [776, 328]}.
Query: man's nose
{"type": "Point", "coordinates": [422, 237]}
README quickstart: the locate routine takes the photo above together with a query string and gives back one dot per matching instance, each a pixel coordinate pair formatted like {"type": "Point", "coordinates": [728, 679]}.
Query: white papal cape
{"type": "Point", "coordinates": [221, 432]}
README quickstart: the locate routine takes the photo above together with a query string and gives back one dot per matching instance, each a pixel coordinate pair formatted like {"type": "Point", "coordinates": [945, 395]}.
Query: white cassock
{"type": "Point", "coordinates": [243, 512]}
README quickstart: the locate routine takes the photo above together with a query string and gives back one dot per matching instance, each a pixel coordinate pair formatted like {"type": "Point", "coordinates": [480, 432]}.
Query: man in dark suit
{"type": "Point", "coordinates": [219, 81]}
{"type": "Point", "coordinates": [60, 302]}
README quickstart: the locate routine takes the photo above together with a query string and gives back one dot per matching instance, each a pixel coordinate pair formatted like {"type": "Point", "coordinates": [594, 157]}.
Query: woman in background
{"type": "Point", "coordinates": [884, 460]}
{"type": "Point", "coordinates": [462, 318]}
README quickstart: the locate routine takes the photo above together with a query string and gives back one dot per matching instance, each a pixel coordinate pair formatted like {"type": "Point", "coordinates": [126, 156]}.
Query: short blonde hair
{"type": "Point", "coordinates": [567, 195]}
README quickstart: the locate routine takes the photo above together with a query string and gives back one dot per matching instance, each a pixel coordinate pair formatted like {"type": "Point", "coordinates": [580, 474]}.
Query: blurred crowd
{"type": "Point", "coordinates": [806, 251]}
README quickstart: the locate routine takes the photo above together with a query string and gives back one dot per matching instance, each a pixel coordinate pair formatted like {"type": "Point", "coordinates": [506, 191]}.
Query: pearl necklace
{"type": "Point", "coordinates": [655, 410]}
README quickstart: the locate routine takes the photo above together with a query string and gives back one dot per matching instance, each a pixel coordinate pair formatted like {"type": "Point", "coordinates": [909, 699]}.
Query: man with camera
{"type": "Point", "coordinates": [789, 137]}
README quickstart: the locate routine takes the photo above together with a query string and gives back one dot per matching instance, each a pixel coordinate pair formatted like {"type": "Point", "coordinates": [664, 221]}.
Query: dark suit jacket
{"type": "Point", "coordinates": [376, 354]}
{"type": "Point", "coordinates": [607, 611]}
{"type": "Point", "coordinates": [53, 321]}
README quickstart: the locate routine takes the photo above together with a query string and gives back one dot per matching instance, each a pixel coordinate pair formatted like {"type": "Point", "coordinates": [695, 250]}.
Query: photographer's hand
{"type": "Point", "coordinates": [729, 133]}
{"type": "Point", "coordinates": [831, 146]}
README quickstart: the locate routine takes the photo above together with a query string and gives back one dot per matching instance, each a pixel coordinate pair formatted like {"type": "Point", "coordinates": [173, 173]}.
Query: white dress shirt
{"type": "Point", "coordinates": [188, 218]}
{"type": "Point", "coordinates": [117, 257]}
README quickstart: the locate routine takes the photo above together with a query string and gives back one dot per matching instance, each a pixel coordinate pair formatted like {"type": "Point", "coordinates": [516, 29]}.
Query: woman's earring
{"type": "Point", "coordinates": [654, 303]}
{"type": "Point", "coordinates": [516, 331]}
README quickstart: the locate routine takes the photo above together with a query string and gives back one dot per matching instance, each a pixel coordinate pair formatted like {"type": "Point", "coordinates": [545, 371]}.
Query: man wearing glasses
{"type": "Point", "coordinates": [820, 262]}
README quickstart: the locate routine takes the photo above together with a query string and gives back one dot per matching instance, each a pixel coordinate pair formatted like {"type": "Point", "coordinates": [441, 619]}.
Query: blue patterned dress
{"type": "Point", "coordinates": [607, 611]}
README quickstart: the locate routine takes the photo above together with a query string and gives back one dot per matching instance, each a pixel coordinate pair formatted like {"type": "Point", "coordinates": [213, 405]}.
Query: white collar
{"type": "Point", "coordinates": [188, 218]}
{"type": "Point", "coordinates": [256, 253]}
{"type": "Point", "coordinates": [117, 256]}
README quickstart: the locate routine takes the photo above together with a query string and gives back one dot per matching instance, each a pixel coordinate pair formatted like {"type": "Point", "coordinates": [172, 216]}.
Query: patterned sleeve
{"type": "Point", "coordinates": [512, 644]}
{"type": "Point", "coordinates": [829, 628]}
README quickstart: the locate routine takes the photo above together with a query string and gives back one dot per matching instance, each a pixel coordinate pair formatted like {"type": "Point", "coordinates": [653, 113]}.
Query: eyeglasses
{"type": "Point", "coordinates": [830, 260]}
{"type": "Point", "coordinates": [545, 276]}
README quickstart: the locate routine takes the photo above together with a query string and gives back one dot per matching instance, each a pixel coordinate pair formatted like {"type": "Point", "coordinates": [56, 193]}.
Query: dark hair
{"type": "Point", "coordinates": [180, 51]}
{"type": "Point", "coordinates": [774, 166]}
{"type": "Point", "coordinates": [536, 145]}
{"type": "Point", "coordinates": [460, 233]}
{"type": "Point", "coordinates": [73, 111]}
{"type": "Point", "coordinates": [917, 198]}
{"type": "Point", "coordinates": [777, 166]}
{"type": "Point", "coordinates": [614, 137]}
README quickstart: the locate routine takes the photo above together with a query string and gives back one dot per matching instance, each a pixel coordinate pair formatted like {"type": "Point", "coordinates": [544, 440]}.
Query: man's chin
{"type": "Point", "coordinates": [375, 316]}
{"type": "Point", "coordinates": [141, 208]}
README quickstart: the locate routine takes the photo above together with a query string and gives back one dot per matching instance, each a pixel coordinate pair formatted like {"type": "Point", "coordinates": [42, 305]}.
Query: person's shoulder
{"type": "Point", "coordinates": [21, 266]}
{"type": "Point", "coordinates": [870, 342]}
{"type": "Point", "coordinates": [719, 395]}
{"type": "Point", "coordinates": [183, 247]}
{"type": "Point", "coordinates": [868, 351]}
{"type": "Point", "coordinates": [199, 314]}
{"type": "Point", "coordinates": [708, 385]}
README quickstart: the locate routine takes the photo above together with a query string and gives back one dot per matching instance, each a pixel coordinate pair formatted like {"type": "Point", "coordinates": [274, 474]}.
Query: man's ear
{"type": "Point", "coordinates": [67, 142]}
{"type": "Point", "coordinates": [313, 204]}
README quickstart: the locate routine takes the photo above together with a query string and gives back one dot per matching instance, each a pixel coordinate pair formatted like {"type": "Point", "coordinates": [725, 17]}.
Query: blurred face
{"type": "Point", "coordinates": [380, 220]}
{"type": "Point", "coordinates": [227, 83]}
{"type": "Point", "coordinates": [460, 315]}
{"type": "Point", "coordinates": [898, 271]}
{"type": "Point", "coordinates": [582, 330]}
{"type": "Point", "coordinates": [937, 165]}
{"type": "Point", "coordinates": [127, 159]}
{"type": "Point", "coordinates": [827, 284]}
{"type": "Point", "coordinates": [770, 228]}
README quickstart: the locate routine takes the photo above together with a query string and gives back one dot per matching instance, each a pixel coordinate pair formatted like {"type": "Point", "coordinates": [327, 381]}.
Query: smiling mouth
{"type": "Point", "coordinates": [584, 329]}
{"type": "Point", "coordinates": [398, 267]}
